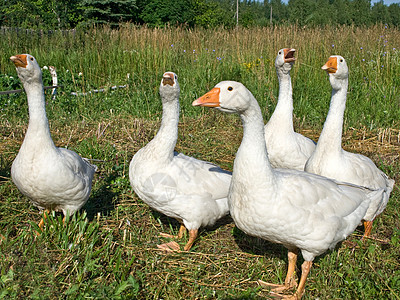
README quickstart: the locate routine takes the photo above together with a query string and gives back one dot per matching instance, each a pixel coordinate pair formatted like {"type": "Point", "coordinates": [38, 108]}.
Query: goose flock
{"type": "Point", "coordinates": [284, 188]}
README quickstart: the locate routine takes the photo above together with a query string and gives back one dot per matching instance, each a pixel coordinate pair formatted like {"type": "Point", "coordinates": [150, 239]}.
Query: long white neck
{"type": "Point", "coordinates": [164, 142]}
{"type": "Point", "coordinates": [38, 132]}
{"type": "Point", "coordinates": [330, 139]}
{"type": "Point", "coordinates": [283, 112]}
{"type": "Point", "coordinates": [251, 160]}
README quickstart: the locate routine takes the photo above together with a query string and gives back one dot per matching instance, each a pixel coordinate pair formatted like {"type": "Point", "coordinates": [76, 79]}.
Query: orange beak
{"type": "Point", "coordinates": [331, 65]}
{"type": "Point", "coordinates": [210, 99]}
{"type": "Point", "coordinates": [289, 54]}
{"type": "Point", "coordinates": [168, 78]}
{"type": "Point", "coordinates": [19, 60]}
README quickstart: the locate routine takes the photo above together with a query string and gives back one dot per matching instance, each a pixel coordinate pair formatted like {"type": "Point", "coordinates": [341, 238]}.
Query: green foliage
{"type": "Point", "coordinates": [160, 12]}
{"type": "Point", "coordinates": [51, 14]}
{"type": "Point", "coordinates": [361, 14]}
{"type": "Point", "coordinates": [66, 14]}
{"type": "Point", "coordinates": [209, 14]}
{"type": "Point", "coordinates": [110, 12]}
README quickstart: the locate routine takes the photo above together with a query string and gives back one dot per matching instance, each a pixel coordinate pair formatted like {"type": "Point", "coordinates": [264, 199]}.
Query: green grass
{"type": "Point", "coordinates": [202, 58]}
{"type": "Point", "coordinates": [108, 249]}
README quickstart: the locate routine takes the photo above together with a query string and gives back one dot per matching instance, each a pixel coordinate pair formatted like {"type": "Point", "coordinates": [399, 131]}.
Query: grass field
{"type": "Point", "coordinates": [108, 249]}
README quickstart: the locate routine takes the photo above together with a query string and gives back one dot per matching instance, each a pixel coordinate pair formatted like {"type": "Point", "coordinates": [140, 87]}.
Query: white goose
{"type": "Point", "coordinates": [287, 149]}
{"type": "Point", "coordinates": [299, 210]}
{"type": "Point", "coordinates": [52, 178]}
{"type": "Point", "coordinates": [330, 160]}
{"type": "Point", "coordinates": [192, 191]}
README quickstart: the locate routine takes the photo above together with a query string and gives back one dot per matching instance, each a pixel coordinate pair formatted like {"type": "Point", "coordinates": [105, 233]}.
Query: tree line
{"type": "Point", "coordinates": [68, 14]}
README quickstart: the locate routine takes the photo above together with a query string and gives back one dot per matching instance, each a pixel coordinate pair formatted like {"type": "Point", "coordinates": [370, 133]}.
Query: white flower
{"type": "Point", "coordinates": [80, 74]}
{"type": "Point", "coordinates": [45, 68]}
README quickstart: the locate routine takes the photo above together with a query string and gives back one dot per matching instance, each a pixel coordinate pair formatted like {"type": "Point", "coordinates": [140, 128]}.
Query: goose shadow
{"type": "Point", "coordinates": [5, 169]}
{"type": "Point", "coordinates": [258, 246]}
{"type": "Point", "coordinates": [103, 199]}
{"type": "Point", "coordinates": [174, 225]}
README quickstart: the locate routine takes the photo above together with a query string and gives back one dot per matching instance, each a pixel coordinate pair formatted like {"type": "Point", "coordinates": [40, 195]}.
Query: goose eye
{"type": "Point", "coordinates": [31, 58]}
{"type": "Point", "coordinates": [230, 88]}
{"type": "Point", "coordinates": [280, 52]}
{"type": "Point", "coordinates": [341, 60]}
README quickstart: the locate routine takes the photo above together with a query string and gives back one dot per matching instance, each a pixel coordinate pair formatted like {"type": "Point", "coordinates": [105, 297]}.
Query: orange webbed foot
{"type": "Point", "coordinates": [169, 247]}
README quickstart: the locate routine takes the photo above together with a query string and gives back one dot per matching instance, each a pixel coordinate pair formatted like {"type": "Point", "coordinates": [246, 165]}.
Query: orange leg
{"type": "Point", "coordinates": [290, 275]}
{"type": "Point", "coordinates": [192, 238]}
{"type": "Point", "coordinates": [290, 280]}
{"type": "Point", "coordinates": [305, 270]}
{"type": "Point", "coordinates": [367, 229]}
{"type": "Point", "coordinates": [41, 223]}
{"type": "Point", "coordinates": [182, 231]}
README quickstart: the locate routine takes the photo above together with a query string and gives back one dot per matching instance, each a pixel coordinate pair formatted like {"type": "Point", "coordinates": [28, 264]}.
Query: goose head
{"type": "Point", "coordinates": [337, 69]}
{"type": "Point", "coordinates": [285, 60]}
{"type": "Point", "coordinates": [226, 96]}
{"type": "Point", "coordinates": [28, 69]}
{"type": "Point", "coordinates": [169, 87]}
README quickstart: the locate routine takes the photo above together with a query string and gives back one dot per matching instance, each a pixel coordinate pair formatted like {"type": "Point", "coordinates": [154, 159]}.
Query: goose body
{"type": "Point", "coordinates": [287, 149]}
{"type": "Point", "coordinates": [192, 191]}
{"type": "Point", "coordinates": [299, 210]}
{"type": "Point", "coordinates": [330, 160]}
{"type": "Point", "coordinates": [52, 178]}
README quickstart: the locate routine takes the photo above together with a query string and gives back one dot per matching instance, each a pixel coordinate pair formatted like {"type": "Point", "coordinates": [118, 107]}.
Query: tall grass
{"type": "Point", "coordinates": [201, 58]}
{"type": "Point", "coordinates": [107, 250]}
